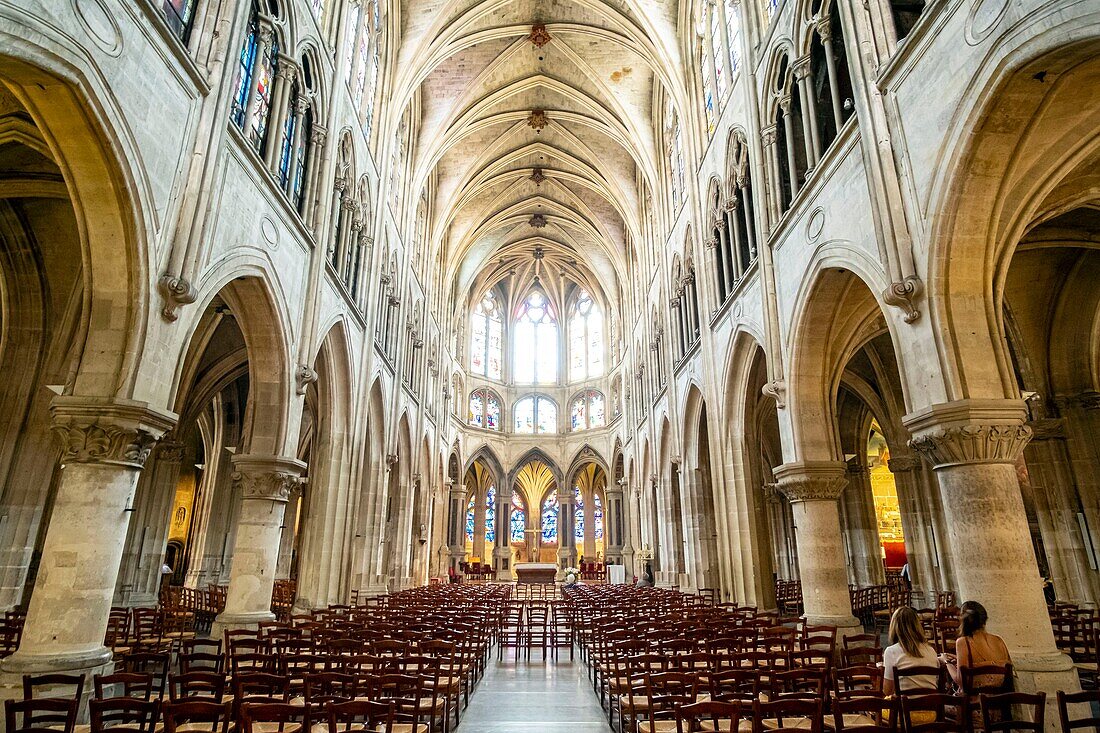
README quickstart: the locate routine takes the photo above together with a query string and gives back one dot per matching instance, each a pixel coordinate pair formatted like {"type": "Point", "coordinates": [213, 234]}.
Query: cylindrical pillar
{"type": "Point", "coordinates": [265, 483]}
{"type": "Point", "coordinates": [567, 541]}
{"type": "Point", "coordinates": [974, 446]}
{"type": "Point", "coordinates": [104, 445]}
{"type": "Point", "coordinates": [813, 489]}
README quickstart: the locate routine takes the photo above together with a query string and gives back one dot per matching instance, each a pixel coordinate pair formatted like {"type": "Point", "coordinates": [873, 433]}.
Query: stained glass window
{"type": "Point", "coordinates": [709, 105]}
{"type": "Point", "coordinates": [578, 514]}
{"type": "Point", "coordinates": [769, 8]}
{"type": "Point", "coordinates": [598, 516]}
{"type": "Point", "coordinates": [586, 342]}
{"type": "Point", "coordinates": [536, 342]}
{"type": "Point", "coordinates": [588, 410]}
{"type": "Point", "coordinates": [491, 515]}
{"type": "Point", "coordinates": [353, 38]}
{"type": "Point", "coordinates": [718, 51]}
{"type": "Point", "coordinates": [246, 64]}
{"type": "Point", "coordinates": [733, 33]}
{"type": "Point", "coordinates": [486, 337]}
{"type": "Point", "coordinates": [550, 519]}
{"type": "Point", "coordinates": [470, 520]}
{"type": "Point", "coordinates": [518, 520]}
{"type": "Point", "coordinates": [535, 414]}
{"type": "Point", "coordinates": [674, 151]}
{"type": "Point", "coordinates": [484, 409]}
{"type": "Point", "coordinates": [180, 14]}
{"type": "Point", "coordinates": [318, 7]}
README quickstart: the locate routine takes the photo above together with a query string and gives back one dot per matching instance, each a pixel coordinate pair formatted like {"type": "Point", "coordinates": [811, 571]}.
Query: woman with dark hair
{"type": "Point", "coordinates": [976, 647]}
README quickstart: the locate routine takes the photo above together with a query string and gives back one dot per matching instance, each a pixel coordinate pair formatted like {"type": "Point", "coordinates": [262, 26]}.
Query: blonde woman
{"type": "Point", "coordinates": [908, 648]}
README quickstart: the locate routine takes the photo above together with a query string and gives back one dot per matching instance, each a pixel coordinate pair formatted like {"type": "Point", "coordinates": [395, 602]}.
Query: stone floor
{"type": "Point", "coordinates": [534, 696]}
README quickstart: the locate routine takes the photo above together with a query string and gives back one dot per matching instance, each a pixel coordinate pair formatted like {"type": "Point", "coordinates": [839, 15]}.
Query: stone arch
{"type": "Point", "coordinates": [699, 481]}
{"type": "Point", "coordinates": [1001, 172]}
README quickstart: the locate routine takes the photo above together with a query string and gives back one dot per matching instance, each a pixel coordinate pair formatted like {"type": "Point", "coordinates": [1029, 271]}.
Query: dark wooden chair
{"type": "Point", "coordinates": [933, 713]}
{"type": "Point", "coordinates": [866, 714]}
{"type": "Point", "coordinates": [196, 715]}
{"type": "Point", "coordinates": [124, 715]}
{"type": "Point", "coordinates": [44, 715]}
{"type": "Point", "coordinates": [1000, 713]}
{"type": "Point", "coordinates": [710, 715]}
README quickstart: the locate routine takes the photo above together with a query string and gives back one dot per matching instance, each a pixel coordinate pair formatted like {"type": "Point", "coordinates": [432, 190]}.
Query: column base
{"type": "Point", "coordinates": [89, 664]}
{"type": "Point", "coordinates": [845, 625]}
{"type": "Point", "coordinates": [1048, 673]}
{"type": "Point", "coordinates": [230, 621]}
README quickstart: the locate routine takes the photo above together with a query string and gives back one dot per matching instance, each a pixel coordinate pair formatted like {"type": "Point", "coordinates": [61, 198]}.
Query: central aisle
{"type": "Point", "coordinates": [534, 696]}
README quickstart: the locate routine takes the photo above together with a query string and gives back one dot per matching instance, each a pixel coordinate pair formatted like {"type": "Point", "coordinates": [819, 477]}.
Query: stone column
{"type": "Point", "coordinates": [288, 531]}
{"type": "Point", "coordinates": [771, 165]}
{"type": "Point", "coordinates": [777, 530]}
{"type": "Point", "coordinates": [590, 527]}
{"type": "Point", "coordinates": [813, 489]}
{"type": "Point", "coordinates": [614, 523]}
{"type": "Point", "coordinates": [809, 112]}
{"type": "Point", "coordinates": [824, 29]}
{"type": "Point", "coordinates": [567, 541]}
{"type": "Point", "coordinates": [973, 446]}
{"type": "Point", "coordinates": [916, 523]}
{"type": "Point", "coordinates": [502, 549]}
{"type": "Point", "coordinates": [479, 527]}
{"type": "Point", "coordinates": [456, 519]}
{"type": "Point", "coordinates": [862, 527]}
{"type": "Point", "coordinates": [104, 445]}
{"type": "Point", "coordinates": [788, 130]}
{"type": "Point", "coordinates": [278, 113]}
{"type": "Point", "coordinates": [265, 484]}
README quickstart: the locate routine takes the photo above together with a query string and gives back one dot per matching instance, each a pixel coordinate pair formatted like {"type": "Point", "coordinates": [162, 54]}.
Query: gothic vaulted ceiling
{"type": "Point", "coordinates": [536, 134]}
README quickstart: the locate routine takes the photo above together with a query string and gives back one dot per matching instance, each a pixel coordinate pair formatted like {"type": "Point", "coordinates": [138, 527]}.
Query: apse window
{"type": "Point", "coordinates": [536, 414]}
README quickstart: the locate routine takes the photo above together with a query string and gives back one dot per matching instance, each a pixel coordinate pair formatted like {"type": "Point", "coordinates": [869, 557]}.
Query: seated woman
{"type": "Point", "coordinates": [908, 649]}
{"type": "Point", "coordinates": [977, 647]}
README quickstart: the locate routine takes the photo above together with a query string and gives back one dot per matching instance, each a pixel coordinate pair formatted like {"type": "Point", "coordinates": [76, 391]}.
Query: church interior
{"type": "Point", "coordinates": [413, 365]}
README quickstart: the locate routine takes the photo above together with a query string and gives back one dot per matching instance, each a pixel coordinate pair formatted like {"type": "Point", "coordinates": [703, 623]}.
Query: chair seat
{"type": "Point", "coordinates": [270, 727]}
{"type": "Point", "coordinates": [638, 702]}
{"type": "Point", "coordinates": [405, 728]}
{"type": "Point", "coordinates": [743, 725]}
{"type": "Point", "coordinates": [851, 721]}
{"type": "Point", "coordinates": [296, 701]}
{"type": "Point", "coordinates": [791, 722]}
{"type": "Point", "coordinates": [657, 726]}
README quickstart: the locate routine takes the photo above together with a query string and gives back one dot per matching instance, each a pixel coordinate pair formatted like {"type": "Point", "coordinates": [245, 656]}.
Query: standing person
{"type": "Point", "coordinates": [908, 648]}
{"type": "Point", "coordinates": [977, 647]}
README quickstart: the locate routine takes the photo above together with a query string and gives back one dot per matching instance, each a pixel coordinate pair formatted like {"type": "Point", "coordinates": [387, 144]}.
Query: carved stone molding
{"type": "Point", "coordinates": [304, 377]}
{"type": "Point", "coordinates": [177, 292]}
{"type": "Point", "coordinates": [777, 390]}
{"type": "Point", "coordinates": [812, 480]}
{"type": "Point", "coordinates": [267, 478]}
{"type": "Point", "coordinates": [967, 444]}
{"type": "Point", "coordinates": [903, 462]}
{"type": "Point", "coordinates": [170, 451]}
{"type": "Point", "coordinates": [537, 120]}
{"type": "Point", "coordinates": [904, 295]}
{"type": "Point", "coordinates": [1085, 400]}
{"type": "Point", "coordinates": [120, 433]}
{"type": "Point", "coordinates": [1051, 428]}
{"type": "Point", "coordinates": [771, 493]}
{"type": "Point", "coordinates": [537, 176]}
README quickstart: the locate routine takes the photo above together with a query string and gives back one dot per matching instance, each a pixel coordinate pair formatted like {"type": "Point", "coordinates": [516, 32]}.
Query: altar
{"type": "Point", "coordinates": [536, 573]}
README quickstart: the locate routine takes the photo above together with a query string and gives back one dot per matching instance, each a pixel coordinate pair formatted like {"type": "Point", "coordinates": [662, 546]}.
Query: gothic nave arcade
{"type": "Point", "coordinates": [343, 297]}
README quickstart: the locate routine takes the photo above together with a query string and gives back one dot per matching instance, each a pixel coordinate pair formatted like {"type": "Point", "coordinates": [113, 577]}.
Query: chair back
{"type": "Point", "coordinates": [354, 716]}
{"type": "Point", "coordinates": [44, 715]}
{"type": "Point", "coordinates": [905, 684]}
{"type": "Point", "coordinates": [59, 686]}
{"type": "Point", "coordinates": [124, 715]}
{"type": "Point", "coordinates": [273, 717]}
{"type": "Point", "coordinates": [867, 714]}
{"type": "Point", "coordinates": [197, 715]}
{"type": "Point", "coordinates": [1001, 713]}
{"type": "Point", "coordinates": [790, 714]}
{"type": "Point", "coordinates": [710, 715]}
{"type": "Point", "coordinates": [196, 685]}
{"type": "Point", "coordinates": [123, 684]}
{"type": "Point", "coordinates": [933, 713]}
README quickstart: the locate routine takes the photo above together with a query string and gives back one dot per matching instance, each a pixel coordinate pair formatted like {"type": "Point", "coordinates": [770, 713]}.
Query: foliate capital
{"type": "Point", "coordinates": [110, 432]}
{"type": "Point", "coordinates": [267, 478]}
{"type": "Point", "coordinates": [812, 480]}
{"type": "Point", "coordinates": [970, 431]}
{"type": "Point", "coordinates": [903, 462]}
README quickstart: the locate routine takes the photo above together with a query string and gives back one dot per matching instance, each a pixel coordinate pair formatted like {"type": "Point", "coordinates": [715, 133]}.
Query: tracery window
{"type": "Point", "coordinates": [578, 514]}
{"type": "Point", "coordinates": [733, 34]}
{"type": "Point", "coordinates": [297, 133]}
{"type": "Point", "coordinates": [180, 16]}
{"type": "Point", "coordinates": [586, 341]}
{"type": "Point", "coordinates": [588, 411]}
{"type": "Point", "coordinates": [536, 414]}
{"type": "Point", "coordinates": [718, 51]}
{"type": "Point", "coordinates": [487, 337]}
{"type": "Point", "coordinates": [550, 519]}
{"type": "Point", "coordinates": [710, 106]}
{"type": "Point", "coordinates": [518, 521]}
{"type": "Point", "coordinates": [256, 69]}
{"type": "Point", "coordinates": [470, 520]}
{"type": "Point", "coordinates": [597, 517]}
{"type": "Point", "coordinates": [675, 154]}
{"type": "Point", "coordinates": [491, 514]}
{"type": "Point", "coordinates": [768, 9]}
{"type": "Point", "coordinates": [484, 409]}
{"type": "Point", "coordinates": [535, 344]}
{"type": "Point", "coordinates": [363, 57]}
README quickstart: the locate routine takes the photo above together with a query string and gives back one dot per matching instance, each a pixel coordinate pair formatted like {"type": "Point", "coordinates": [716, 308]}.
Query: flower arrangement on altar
{"type": "Point", "coordinates": [570, 576]}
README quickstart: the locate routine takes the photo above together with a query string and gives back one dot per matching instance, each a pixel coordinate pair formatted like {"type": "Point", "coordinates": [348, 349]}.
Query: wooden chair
{"type": "Point", "coordinates": [129, 684]}
{"type": "Point", "coordinates": [274, 718]}
{"type": "Point", "coordinates": [44, 715]}
{"type": "Point", "coordinates": [788, 715]}
{"type": "Point", "coordinates": [999, 712]}
{"type": "Point", "coordinates": [904, 686]}
{"type": "Point", "coordinates": [360, 716]}
{"type": "Point", "coordinates": [536, 629]}
{"type": "Point", "coordinates": [196, 685]}
{"type": "Point", "coordinates": [935, 713]}
{"type": "Point", "coordinates": [864, 714]}
{"type": "Point", "coordinates": [665, 693]}
{"type": "Point", "coordinates": [1089, 700]}
{"type": "Point", "coordinates": [196, 715]}
{"type": "Point", "coordinates": [152, 663]}
{"type": "Point", "coordinates": [710, 715]}
{"type": "Point", "coordinates": [124, 715]}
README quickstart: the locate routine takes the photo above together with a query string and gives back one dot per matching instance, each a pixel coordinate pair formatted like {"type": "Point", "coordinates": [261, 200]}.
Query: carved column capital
{"type": "Point", "coordinates": [970, 431]}
{"type": "Point", "coordinates": [903, 463]}
{"type": "Point", "coordinates": [111, 432]}
{"type": "Point", "coordinates": [267, 478]}
{"type": "Point", "coordinates": [170, 451]}
{"type": "Point", "coordinates": [812, 480]}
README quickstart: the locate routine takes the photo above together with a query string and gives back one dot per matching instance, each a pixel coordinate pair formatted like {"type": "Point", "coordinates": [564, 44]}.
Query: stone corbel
{"type": "Point", "coordinates": [903, 295]}
{"type": "Point", "coordinates": [304, 377]}
{"type": "Point", "coordinates": [777, 390]}
{"type": "Point", "coordinates": [177, 292]}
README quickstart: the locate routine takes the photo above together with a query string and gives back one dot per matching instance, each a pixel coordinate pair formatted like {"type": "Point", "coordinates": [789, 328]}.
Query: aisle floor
{"type": "Point", "coordinates": [534, 696]}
